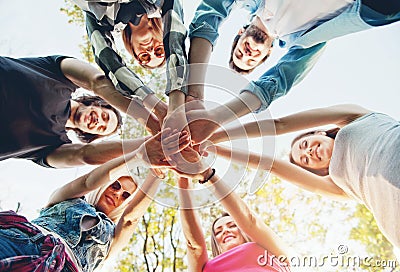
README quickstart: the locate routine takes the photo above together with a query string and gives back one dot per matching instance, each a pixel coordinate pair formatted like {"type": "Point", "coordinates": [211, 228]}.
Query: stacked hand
{"type": "Point", "coordinates": [176, 148]}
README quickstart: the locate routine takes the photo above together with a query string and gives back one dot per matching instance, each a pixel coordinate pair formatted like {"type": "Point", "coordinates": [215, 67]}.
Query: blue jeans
{"type": "Point", "coordinates": [14, 242]}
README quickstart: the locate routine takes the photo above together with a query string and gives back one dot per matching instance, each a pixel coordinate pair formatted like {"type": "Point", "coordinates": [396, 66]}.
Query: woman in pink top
{"type": "Point", "coordinates": [240, 241]}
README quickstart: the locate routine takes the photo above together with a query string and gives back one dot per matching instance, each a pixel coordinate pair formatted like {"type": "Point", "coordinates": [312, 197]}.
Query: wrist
{"type": "Point", "coordinates": [176, 99]}
{"type": "Point", "coordinates": [207, 175]}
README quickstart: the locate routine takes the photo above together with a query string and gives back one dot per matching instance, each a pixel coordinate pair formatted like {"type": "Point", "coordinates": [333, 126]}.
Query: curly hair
{"type": "Point", "coordinates": [94, 100]}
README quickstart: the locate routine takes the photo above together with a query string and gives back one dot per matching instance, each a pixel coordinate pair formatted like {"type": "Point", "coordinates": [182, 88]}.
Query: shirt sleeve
{"type": "Point", "coordinates": [40, 157]}
{"type": "Point", "coordinates": [208, 17]}
{"type": "Point", "coordinates": [289, 71]}
{"type": "Point", "coordinates": [175, 34]}
{"type": "Point", "coordinates": [125, 80]}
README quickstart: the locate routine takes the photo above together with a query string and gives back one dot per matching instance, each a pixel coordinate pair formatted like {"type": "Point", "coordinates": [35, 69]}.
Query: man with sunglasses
{"type": "Point", "coordinates": [37, 110]}
{"type": "Point", "coordinates": [303, 27]}
{"type": "Point", "coordinates": [153, 33]}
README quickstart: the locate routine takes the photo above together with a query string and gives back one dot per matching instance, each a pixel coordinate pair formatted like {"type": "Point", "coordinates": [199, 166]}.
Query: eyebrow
{"type": "Point", "coordinates": [237, 54]}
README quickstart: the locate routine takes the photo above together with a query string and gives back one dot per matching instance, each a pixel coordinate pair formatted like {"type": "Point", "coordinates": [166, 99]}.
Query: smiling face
{"type": "Point", "coordinates": [95, 119]}
{"type": "Point", "coordinates": [116, 194]}
{"type": "Point", "coordinates": [313, 151]}
{"type": "Point", "coordinates": [252, 48]}
{"type": "Point", "coordinates": [227, 234]}
{"type": "Point", "coordinates": [145, 42]}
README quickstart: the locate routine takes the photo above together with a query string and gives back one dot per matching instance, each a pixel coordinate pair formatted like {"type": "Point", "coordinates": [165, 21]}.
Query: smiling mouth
{"type": "Point", "coordinates": [248, 48]}
{"type": "Point", "coordinates": [230, 237]}
{"type": "Point", "coordinates": [317, 153]}
{"type": "Point", "coordinates": [91, 119]}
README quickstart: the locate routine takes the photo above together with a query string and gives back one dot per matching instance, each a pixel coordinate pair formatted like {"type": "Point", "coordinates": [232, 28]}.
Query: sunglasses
{"type": "Point", "coordinates": [116, 186]}
{"type": "Point", "coordinates": [145, 57]}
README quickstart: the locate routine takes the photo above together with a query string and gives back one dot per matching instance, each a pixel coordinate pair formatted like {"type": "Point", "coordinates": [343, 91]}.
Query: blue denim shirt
{"type": "Point", "coordinates": [304, 47]}
{"type": "Point", "coordinates": [90, 247]}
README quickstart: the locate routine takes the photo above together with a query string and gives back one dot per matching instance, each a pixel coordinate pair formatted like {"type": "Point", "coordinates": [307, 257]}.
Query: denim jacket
{"type": "Point", "coordinates": [304, 47]}
{"type": "Point", "coordinates": [90, 247]}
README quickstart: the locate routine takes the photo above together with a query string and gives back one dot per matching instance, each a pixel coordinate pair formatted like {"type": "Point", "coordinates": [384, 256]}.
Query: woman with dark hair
{"type": "Point", "coordinates": [153, 34]}
{"type": "Point", "coordinates": [240, 240]}
{"type": "Point", "coordinates": [89, 219]}
{"type": "Point", "coordinates": [358, 160]}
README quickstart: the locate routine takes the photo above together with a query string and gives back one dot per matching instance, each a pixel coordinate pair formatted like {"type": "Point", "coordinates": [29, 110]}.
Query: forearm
{"type": "Point", "coordinates": [255, 228]}
{"type": "Point", "coordinates": [289, 71]}
{"type": "Point", "coordinates": [248, 130]}
{"type": "Point", "coordinates": [245, 103]}
{"type": "Point", "coordinates": [142, 199]}
{"type": "Point", "coordinates": [339, 115]}
{"type": "Point", "coordinates": [199, 56]}
{"type": "Point", "coordinates": [246, 158]}
{"type": "Point", "coordinates": [286, 171]}
{"type": "Point", "coordinates": [176, 101]}
{"type": "Point", "coordinates": [133, 214]}
{"type": "Point", "coordinates": [96, 178]}
{"type": "Point", "coordinates": [158, 107]}
{"type": "Point", "coordinates": [191, 227]}
{"type": "Point", "coordinates": [71, 155]}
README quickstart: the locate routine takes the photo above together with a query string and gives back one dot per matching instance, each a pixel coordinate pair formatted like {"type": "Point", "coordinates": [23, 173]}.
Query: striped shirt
{"type": "Point", "coordinates": [105, 16]}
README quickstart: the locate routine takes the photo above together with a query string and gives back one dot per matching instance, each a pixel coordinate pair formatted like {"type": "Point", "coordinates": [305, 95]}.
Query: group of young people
{"type": "Point", "coordinates": [92, 217]}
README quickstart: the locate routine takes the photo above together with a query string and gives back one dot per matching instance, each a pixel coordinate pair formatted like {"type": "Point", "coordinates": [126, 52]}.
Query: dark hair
{"type": "Point", "coordinates": [94, 100]}
{"type": "Point", "coordinates": [233, 66]}
{"type": "Point", "coordinates": [214, 245]}
{"type": "Point", "coordinates": [331, 133]}
{"type": "Point", "coordinates": [127, 40]}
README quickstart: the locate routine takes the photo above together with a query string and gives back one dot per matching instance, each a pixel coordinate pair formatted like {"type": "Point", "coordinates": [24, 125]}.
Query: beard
{"type": "Point", "coordinates": [256, 33]}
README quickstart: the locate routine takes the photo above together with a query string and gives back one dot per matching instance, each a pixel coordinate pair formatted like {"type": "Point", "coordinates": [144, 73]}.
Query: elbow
{"type": "Point", "coordinates": [279, 126]}
{"type": "Point", "coordinates": [97, 81]}
{"type": "Point", "coordinates": [84, 155]}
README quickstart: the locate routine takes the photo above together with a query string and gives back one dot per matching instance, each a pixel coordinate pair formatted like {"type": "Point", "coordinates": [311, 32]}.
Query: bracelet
{"type": "Point", "coordinates": [193, 96]}
{"type": "Point", "coordinates": [207, 179]}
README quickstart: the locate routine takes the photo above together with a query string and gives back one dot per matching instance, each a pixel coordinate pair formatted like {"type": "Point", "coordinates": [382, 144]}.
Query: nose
{"type": "Point", "coordinates": [247, 51]}
{"type": "Point", "coordinates": [101, 121]}
{"type": "Point", "coordinates": [225, 230]}
{"type": "Point", "coordinates": [310, 152]}
{"type": "Point", "coordinates": [150, 48]}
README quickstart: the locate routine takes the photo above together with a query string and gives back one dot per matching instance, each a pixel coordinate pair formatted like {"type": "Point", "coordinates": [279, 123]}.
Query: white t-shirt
{"type": "Point", "coordinates": [283, 17]}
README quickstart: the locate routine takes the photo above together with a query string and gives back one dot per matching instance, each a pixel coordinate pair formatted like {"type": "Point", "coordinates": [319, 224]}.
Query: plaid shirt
{"type": "Point", "coordinates": [53, 258]}
{"type": "Point", "coordinates": [101, 19]}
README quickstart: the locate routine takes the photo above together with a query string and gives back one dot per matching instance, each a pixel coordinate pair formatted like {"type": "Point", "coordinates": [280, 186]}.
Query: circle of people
{"type": "Point", "coordinates": [92, 217]}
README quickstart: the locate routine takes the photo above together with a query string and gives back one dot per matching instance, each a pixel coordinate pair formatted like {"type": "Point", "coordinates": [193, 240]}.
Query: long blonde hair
{"type": "Point", "coordinates": [216, 249]}
{"type": "Point", "coordinates": [94, 196]}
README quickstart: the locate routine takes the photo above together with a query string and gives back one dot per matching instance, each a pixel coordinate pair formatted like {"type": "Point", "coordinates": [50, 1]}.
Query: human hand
{"type": "Point", "coordinates": [201, 125]}
{"type": "Point", "coordinates": [188, 164]}
{"type": "Point", "coordinates": [193, 103]}
{"type": "Point", "coordinates": [175, 121]}
{"type": "Point", "coordinates": [153, 151]}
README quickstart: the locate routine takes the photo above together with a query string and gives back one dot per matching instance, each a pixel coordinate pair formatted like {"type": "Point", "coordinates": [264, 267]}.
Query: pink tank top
{"type": "Point", "coordinates": [248, 257]}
